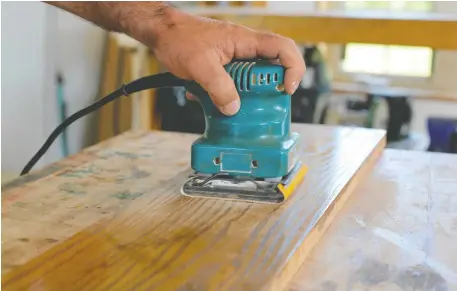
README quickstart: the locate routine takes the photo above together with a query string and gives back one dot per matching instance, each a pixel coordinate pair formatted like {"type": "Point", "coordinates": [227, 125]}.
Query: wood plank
{"type": "Point", "coordinates": [149, 112]}
{"type": "Point", "coordinates": [398, 231]}
{"type": "Point", "coordinates": [125, 103]}
{"type": "Point", "coordinates": [117, 221]}
{"type": "Point", "coordinates": [109, 84]}
{"type": "Point", "coordinates": [410, 29]}
{"type": "Point", "coordinates": [138, 66]}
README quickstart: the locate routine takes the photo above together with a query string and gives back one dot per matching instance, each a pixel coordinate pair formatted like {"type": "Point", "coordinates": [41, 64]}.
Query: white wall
{"type": "Point", "coordinates": [37, 40]}
{"type": "Point", "coordinates": [24, 83]}
{"type": "Point", "coordinates": [80, 46]}
{"type": "Point", "coordinates": [291, 6]}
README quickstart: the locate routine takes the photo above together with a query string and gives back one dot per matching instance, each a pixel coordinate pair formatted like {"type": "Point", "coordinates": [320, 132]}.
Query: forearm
{"type": "Point", "coordinates": [141, 20]}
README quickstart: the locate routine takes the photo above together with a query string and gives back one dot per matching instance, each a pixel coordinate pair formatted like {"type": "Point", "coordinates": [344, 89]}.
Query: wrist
{"type": "Point", "coordinates": [147, 21]}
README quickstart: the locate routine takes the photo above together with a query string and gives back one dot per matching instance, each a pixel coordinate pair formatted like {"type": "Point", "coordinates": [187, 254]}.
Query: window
{"type": "Point", "coordinates": [388, 59]}
{"type": "Point", "coordinates": [410, 6]}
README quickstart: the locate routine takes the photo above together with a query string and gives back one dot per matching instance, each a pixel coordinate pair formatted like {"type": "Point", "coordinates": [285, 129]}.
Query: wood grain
{"type": "Point", "coordinates": [398, 231]}
{"type": "Point", "coordinates": [118, 222]}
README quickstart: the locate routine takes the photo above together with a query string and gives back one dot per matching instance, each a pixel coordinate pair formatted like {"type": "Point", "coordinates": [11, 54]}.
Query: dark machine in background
{"type": "Point", "coordinates": [313, 86]}
{"type": "Point", "coordinates": [399, 117]}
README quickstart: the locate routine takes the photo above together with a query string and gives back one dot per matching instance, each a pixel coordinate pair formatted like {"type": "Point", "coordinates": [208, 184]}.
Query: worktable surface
{"type": "Point", "coordinates": [398, 231]}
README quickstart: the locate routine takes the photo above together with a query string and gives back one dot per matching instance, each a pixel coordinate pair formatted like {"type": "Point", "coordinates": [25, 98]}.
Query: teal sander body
{"type": "Point", "coordinates": [251, 155]}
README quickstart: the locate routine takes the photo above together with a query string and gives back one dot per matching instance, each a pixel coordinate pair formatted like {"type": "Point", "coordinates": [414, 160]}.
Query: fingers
{"type": "Point", "coordinates": [213, 78]}
{"type": "Point", "coordinates": [273, 46]}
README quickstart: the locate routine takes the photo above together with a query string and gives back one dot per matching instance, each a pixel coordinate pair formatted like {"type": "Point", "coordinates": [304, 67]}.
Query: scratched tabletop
{"type": "Point", "coordinates": [398, 231]}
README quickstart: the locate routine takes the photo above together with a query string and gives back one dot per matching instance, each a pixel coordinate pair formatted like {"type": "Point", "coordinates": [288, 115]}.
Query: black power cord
{"type": "Point", "coordinates": [145, 83]}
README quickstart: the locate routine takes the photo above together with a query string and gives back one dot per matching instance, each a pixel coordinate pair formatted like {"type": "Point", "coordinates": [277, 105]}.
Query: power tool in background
{"type": "Point", "coordinates": [251, 156]}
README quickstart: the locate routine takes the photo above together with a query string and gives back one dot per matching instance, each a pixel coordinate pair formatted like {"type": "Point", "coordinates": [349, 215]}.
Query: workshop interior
{"type": "Point", "coordinates": [59, 66]}
{"type": "Point", "coordinates": [63, 64]}
{"type": "Point", "coordinates": [99, 132]}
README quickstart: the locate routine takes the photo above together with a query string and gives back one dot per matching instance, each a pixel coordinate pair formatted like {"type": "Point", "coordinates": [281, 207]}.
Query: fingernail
{"type": "Point", "coordinates": [295, 86]}
{"type": "Point", "coordinates": [191, 96]}
{"type": "Point", "coordinates": [231, 108]}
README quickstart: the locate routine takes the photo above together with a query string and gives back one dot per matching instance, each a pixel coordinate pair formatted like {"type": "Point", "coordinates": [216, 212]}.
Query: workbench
{"type": "Point", "coordinates": [96, 220]}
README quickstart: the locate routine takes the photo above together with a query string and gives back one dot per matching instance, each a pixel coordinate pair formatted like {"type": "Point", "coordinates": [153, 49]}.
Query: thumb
{"type": "Point", "coordinates": [212, 76]}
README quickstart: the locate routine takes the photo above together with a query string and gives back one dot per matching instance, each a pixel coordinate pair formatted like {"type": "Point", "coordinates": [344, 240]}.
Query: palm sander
{"type": "Point", "coordinates": [253, 155]}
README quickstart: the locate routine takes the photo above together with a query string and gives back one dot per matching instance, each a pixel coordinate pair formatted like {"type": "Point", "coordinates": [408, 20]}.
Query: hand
{"type": "Point", "coordinates": [192, 47]}
{"type": "Point", "coordinates": [197, 48]}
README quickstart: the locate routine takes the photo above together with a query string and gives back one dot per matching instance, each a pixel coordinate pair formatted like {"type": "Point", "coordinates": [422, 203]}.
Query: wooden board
{"type": "Point", "coordinates": [150, 113]}
{"type": "Point", "coordinates": [398, 231]}
{"type": "Point", "coordinates": [108, 85]}
{"type": "Point", "coordinates": [124, 116]}
{"type": "Point", "coordinates": [111, 218]}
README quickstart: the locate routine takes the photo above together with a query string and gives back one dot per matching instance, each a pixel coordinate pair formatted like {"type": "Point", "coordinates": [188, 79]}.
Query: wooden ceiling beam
{"type": "Point", "coordinates": [438, 31]}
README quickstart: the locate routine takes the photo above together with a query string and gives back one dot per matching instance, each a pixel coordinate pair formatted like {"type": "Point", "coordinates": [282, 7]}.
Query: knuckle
{"type": "Point", "coordinates": [267, 36]}
{"type": "Point", "coordinates": [290, 42]}
{"type": "Point", "coordinates": [287, 42]}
